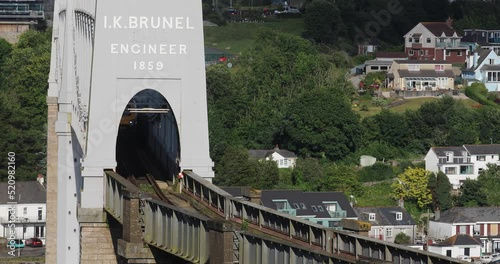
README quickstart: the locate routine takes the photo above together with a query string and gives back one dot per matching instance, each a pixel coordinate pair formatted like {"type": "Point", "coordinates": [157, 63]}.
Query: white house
{"type": "Point", "coordinates": [460, 163]}
{"type": "Point", "coordinates": [483, 223]}
{"type": "Point", "coordinates": [483, 66]}
{"type": "Point", "coordinates": [387, 222]}
{"type": "Point", "coordinates": [457, 245]}
{"type": "Point", "coordinates": [26, 218]}
{"type": "Point", "coordinates": [282, 157]}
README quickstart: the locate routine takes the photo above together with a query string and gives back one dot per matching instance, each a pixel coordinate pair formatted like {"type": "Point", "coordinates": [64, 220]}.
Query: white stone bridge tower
{"type": "Point", "coordinates": [108, 56]}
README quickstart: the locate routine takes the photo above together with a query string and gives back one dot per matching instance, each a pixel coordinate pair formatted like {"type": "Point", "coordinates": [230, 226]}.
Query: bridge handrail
{"type": "Point", "coordinates": [311, 235]}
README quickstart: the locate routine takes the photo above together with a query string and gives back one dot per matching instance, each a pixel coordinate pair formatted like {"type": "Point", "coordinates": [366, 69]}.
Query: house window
{"type": "Point", "coordinates": [303, 206]}
{"type": "Point", "coordinates": [399, 216]}
{"type": "Point", "coordinates": [426, 52]}
{"type": "Point", "coordinates": [39, 213]}
{"type": "Point", "coordinates": [331, 207]}
{"type": "Point", "coordinates": [476, 230]}
{"type": "Point", "coordinates": [493, 76]}
{"type": "Point", "coordinates": [450, 170]}
{"type": "Point", "coordinates": [383, 68]}
{"type": "Point", "coordinates": [479, 170]}
{"type": "Point", "coordinates": [439, 67]}
{"type": "Point", "coordinates": [448, 253]}
{"type": "Point", "coordinates": [314, 208]}
{"type": "Point", "coordinates": [410, 40]}
{"type": "Point", "coordinates": [39, 231]}
{"type": "Point", "coordinates": [448, 53]}
{"type": "Point", "coordinates": [388, 232]}
{"type": "Point", "coordinates": [467, 251]}
{"type": "Point", "coordinates": [459, 53]}
{"type": "Point", "coordinates": [371, 217]}
{"type": "Point", "coordinates": [320, 208]}
{"type": "Point", "coordinates": [280, 205]}
{"type": "Point", "coordinates": [428, 40]}
{"type": "Point", "coordinates": [420, 52]}
{"type": "Point", "coordinates": [466, 169]}
{"type": "Point", "coordinates": [25, 210]}
{"type": "Point", "coordinates": [281, 162]}
{"type": "Point", "coordinates": [462, 229]}
{"type": "Point", "coordinates": [417, 40]}
{"type": "Point", "coordinates": [481, 158]}
{"type": "Point", "coordinates": [285, 162]}
{"type": "Point", "coordinates": [413, 67]}
{"type": "Point", "coordinates": [448, 156]}
{"type": "Point", "coordinates": [296, 206]}
{"type": "Point", "coordinates": [374, 68]}
{"type": "Point", "coordinates": [410, 52]}
{"type": "Point", "coordinates": [492, 61]}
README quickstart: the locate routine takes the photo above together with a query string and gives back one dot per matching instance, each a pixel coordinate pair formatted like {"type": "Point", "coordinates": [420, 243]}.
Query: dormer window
{"type": "Point", "coordinates": [439, 67]}
{"type": "Point", "coordinates": [371, 217]}
{"type": "Point", "coordinates": [314, 208]}
{"type": "Point", "coordinates": [320, 208]}
{"type": "Point", "coordinates": [399, 216]}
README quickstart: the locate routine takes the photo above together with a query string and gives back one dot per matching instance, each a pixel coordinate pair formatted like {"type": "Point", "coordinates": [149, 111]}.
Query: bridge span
{"type": "Point", "coordinates": [241, 231]}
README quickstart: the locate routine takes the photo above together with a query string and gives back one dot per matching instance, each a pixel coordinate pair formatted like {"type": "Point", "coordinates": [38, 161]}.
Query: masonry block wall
{"type": "Point", "coordinates": [96, 244]}
{"type": "Point", "coordinates": [51, 234]}
{"type": "Point", "coordinates": [221, 243]}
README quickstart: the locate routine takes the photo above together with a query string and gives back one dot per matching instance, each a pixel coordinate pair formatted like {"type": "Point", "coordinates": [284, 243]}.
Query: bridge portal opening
{"type": "Point", "coordinates": [148, 138]}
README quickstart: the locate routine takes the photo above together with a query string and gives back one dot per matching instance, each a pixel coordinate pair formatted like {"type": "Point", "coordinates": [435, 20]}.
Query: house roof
{"type": "Point", "coordinates": [460, 240]}
{"type": "Point", "coordinates": [483, 149]}
{"type": "Point", "coordinates": [389, 54]}
{"type": "Point", "coordinates": [482, 54]}
{"type": "Point", "coordinates": [27, 192]}
{"type": "Point", "coordinates": [308, 199]}
{"type": "Point", "coordinates": [426, 73]}
{"type": "Point", "coordinates": [384, 216]}
{"type": "Point", "coordinates": [422, 62]}
{"type": "Point", "coordinates": [491, 67]}
{"type": "Point", "coordinates": [438, 28]}
{"type": "Point", "coordinates": [441, 151]}
{"type": "Point", "coordinates": [262, 153]}
{"type": "Point", "coordinates": [470, 215]}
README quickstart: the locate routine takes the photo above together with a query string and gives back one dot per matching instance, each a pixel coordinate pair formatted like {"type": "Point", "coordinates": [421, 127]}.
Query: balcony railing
{"type": "Point", "coordinates": [338, 214]}
{"type": "Point", "coordinates": [451, 45]}
{"type": "Point", "coordinates": [20, 220]}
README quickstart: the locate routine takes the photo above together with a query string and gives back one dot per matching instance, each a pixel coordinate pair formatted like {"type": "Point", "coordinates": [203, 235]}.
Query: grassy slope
{"type": "Point", "coordinates": [237, 37]}
{"type": "Point", "coordinates": [410, 104]}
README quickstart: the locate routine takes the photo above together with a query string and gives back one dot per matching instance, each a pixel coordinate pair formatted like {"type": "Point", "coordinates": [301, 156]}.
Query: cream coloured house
{"type": "Point", "coordinates": [420, 75]}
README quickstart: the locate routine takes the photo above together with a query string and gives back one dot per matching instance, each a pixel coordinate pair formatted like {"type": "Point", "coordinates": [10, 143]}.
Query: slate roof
{"type": "Point", "coordinates": [483, 149]}
{"type": "Point", "coordinates": [482, 54]}
{"type": "Point", "coordinates": [27, 192]}
{"type": "Point", "coordinates": [261, 153]}
{"type": "Point", "coordinates": [422, 62]}
{"type": "Point", "coordinates": [385, 216]}
{"type": "Point", "coordinates": [308, 199]}
{"type": "Point", "coordinates": [437, 28]}
{"type": "Point", "coordinates": [476, 36]}
{"type": "Point", "coordinates": [426, 73]}
{"type": "Point", "coordinates": [391, 54]}
{"type": "Point", "coordinates": [491, 67]}
{"type": "Point", "coordinates": [470, 215]}
{"type": "Point", "coordinates": [441, 151]}
{"type": "Point", "coordinates": [460, 240]}
{"type": "Point", "coordinates": [234, 191]}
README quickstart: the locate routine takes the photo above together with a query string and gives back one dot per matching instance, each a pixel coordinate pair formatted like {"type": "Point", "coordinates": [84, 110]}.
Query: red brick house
{"type": "Point", "coordinates": [435, 41]}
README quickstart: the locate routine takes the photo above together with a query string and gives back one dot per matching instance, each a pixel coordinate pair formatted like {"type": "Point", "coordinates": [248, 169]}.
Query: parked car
{"type": "Point", "coordinates": [17, 243]}
{"type": "Point", "coordinates": [485, 259]}
{"type": "Point", "coordinates": [34, 242]}
{"type": "Point", "coordinates": [465, 258]}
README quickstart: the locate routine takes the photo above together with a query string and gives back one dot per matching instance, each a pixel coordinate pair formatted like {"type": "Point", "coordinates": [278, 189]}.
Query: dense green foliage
{"type": "Point", "coordinates": [440, 188]}
{"type": "Point", "coordinates": [402, 238]}
{"type": "Point", "coordinates": [23, 110]}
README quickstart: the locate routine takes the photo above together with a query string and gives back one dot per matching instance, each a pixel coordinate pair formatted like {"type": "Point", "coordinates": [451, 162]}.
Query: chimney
{"type": "Point", "coordinates": [40, 179]}
{"type": "Point", "coordinates": [437, 214]}
{"type": "Point", "coordinates": [251, 194]}
{"type": "Point", "coordinates": [449, 22]}
{"type": "Point", "coordinates": [475, 59]}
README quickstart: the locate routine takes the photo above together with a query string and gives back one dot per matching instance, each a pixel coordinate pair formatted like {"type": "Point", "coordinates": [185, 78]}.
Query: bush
{"type": "Point", "coordinates": [479, 93]}
{"type": "Point", "coordinates": [402, 238]}
{"type": "Point", "coordinates": [377, 172]}
{"type": "Point", "coordinates": [364, 108]}
{"type": "Point", "coordinates": [379, 101]}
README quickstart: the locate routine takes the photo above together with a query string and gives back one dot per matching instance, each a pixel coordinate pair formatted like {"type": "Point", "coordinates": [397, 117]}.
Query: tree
{"type": "Point", "coordinates": [321, 123]}
{"type": "Point", "coordinates": [402, 238]}
{"type": "Point", "coordinates": [440, 188]}
{"type": "Point", "coordinates": [341, 178]}
{"type": "Point", "coordinates": [235, 168]}
{"type": "Point", "coordinates": [489, 180]}
{"type": "Point", "coordinates": [412, 185]}
{"type": "Point", "coordinates": [323, 21]}
{"type": "Point", "coordinates": [307, 174]}
{"type": "Point", "coordinates": [471, 194]}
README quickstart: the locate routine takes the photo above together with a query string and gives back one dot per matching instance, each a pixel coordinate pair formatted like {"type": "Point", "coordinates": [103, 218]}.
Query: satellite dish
{"type": "Point", "coordinates": [229, 65]}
